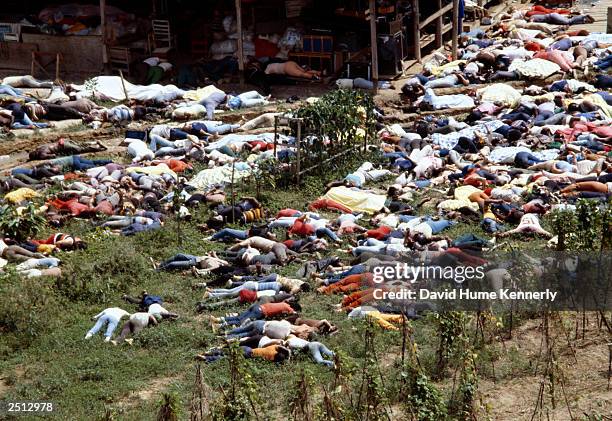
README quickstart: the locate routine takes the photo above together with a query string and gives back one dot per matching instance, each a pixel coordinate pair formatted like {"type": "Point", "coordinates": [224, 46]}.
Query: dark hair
{"type": "Point", "coordinates": [139, 112]}
{"type": "Point", "coordinates": [513, 135]}
{"type": "Point", "coordinates": [422, 128]}
{"type": "Point", "coordinates": [292, 318]}
{"type": "Point", "coordinates": [282, 354]}
{"type": "Point", "coordinates": [305, 287]}
{"type": "Point", "coordinates": [295, 305]}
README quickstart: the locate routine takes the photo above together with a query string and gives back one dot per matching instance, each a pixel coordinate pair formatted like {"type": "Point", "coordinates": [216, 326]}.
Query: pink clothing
{"type": "Point", "coordinates": [557, 57]}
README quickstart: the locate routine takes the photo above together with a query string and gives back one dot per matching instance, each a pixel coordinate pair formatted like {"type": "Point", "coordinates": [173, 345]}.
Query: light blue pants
{"type": "Point", "coordinates": [110, 328]}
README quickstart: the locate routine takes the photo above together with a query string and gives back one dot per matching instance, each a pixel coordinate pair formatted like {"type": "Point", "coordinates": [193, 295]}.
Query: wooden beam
{"type": "Point", "coordinates": [426, 40]}
{"type": "Point", "coordinates": [438, 14]}
{"type": "Point", "coordinates": [240, 43]}
{"type": "Point", "coordinates": [103, 27]}
{"type": "Point", "coordinates": [374, 41]}
{"type": "Point", "coordinates": [455, 27]}
{"type": "Point", "coordinates": [439, 24]}
{"type": "Point", "coordinates": [416, 30]}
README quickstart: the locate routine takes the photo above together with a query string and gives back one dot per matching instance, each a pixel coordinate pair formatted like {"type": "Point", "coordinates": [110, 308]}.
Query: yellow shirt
{"type": "Point", "coordinates": [21, 194]}
{"type": "Point", "coordinates": [464, 192]}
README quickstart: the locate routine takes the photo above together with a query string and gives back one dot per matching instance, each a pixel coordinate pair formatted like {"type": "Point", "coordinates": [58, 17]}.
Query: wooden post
{"type": "Point", "coordinates": [240, 46]}
{"type": "Point", "coordinates": [439, 26]}
{"type": "Point", "coordinates": [609, 364]}
{"type": "Point", "coordinates": [275, 134]}
{"type": "Point", "coordinates": [103, 27]}
{"type": "Point", "coordinates": [297, 155]}
{"type": "Point", "coordinates": [455, 27]}
{"type": "Point", "coordinates": [58, 58]}
{"type": "Point", "coordinates": [374, 41]}
{"type": "Point", "coordinates": [416, 30]}
{"type": "Point", "coordinates": [233, 193]}
{"type": "Point", "coordinates": [127, 97]}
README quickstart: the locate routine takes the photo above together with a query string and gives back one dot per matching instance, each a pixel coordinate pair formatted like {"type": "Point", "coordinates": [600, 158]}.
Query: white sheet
{"type": "Point", "coordinates": [111, 87]}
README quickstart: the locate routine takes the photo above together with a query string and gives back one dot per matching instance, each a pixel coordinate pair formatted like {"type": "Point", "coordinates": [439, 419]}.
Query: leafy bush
{"type": "Point", "coordinates": [103, 270]}
{"type": "Point", "coordinates": [26, 311]}
{"type": "Point", "coordinates": [21, 223]}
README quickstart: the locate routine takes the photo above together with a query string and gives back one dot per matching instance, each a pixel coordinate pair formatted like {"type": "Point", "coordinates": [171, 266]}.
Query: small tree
{"type": "Point", "coordinates": [21, 223]}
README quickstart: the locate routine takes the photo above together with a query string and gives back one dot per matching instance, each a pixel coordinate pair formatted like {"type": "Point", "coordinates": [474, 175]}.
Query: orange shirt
{"type": "Point", "coordinates": [275, 309]}
{"type": "Point", "coordinates": [267, 353]}
{"type": "Point", "coordinates": [301, 228]}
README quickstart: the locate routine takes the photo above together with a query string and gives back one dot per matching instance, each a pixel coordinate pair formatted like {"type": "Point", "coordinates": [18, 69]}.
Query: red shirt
{"type": "Point", "coordinates": [287, 212]}
{"type": "Point", "coordinates": [275, 309]}
{"type": "Point", "coordinates": [301, 228]}
{"type": "Point", "coordinates": [379, 233]}
{"type": "Point", "coordinates": [247, 296]}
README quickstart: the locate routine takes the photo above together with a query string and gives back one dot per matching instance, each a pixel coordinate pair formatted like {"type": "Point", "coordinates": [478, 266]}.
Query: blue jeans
{"type": "Point", "coordinates": [394, 155]}
{"type": "Point", "coordinates": [214, 129]}
{"type": "Point", "coordinates": [255, 327]}
{"type": "Point", "coordinates": [179, 261]}
{"type": "Point", "coordinates": [526, 159]}
{"type": "Point", "coordinates": [355, 270]}
{"type": "Point", "coordinates": [604, 63]}
{"type": "Point", "coordinates": [406, 218]}
{"type": "Point", "coordinates": [25, 123]}
{"type": "Point", "coordinates": [326, 232]}
{"type": "Point", "coordinates": [230, 234]}
{"type": "Point", "coordinates": [110, 328]}
{"type": "Point", "coordinates": [253, 313]}
{"type": "Point", "coordinates": [81, 164]}
{"type": "Point", "coordinates": [316, 349]}
{"type": "Point", "coordinates": [211, 102]}
{"type": "Point", "coordinates": [265, 278]}
{"type": "Point", "coordinates": [491, 225]}
{"type": "Point", "coordinates": [159, 142]}
{"type": "Point", "coordinates": [440, 225]}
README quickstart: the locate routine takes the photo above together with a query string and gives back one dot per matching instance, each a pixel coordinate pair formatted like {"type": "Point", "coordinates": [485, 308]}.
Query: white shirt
{"type": "Point", "coordinates": [162, 130]}
{"type": "Point", "coordinates": [152, 61]}
{"type": "Point", "coordinates": [277, 329]}
{"type": "Point", "coordinates": [156, 308]}
{"type": "Point", "coordinates": [114, 313]}
{"type": "Point", "coordinates": [249, 254]}
{"type": "Point", "coordinates": [140, 319]}
{"type": "Point", "coordinates": [139, 150]}
{"type": "Point", "coordinates": [165, 65]}
{"type": "Point", "coordinates": [297, 343]}
{"type": "Point", "coordinates": [3, 246]}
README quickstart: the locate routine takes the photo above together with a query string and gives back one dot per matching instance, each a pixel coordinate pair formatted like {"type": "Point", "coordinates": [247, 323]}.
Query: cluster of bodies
{"type": "Point", "coordinates": [518, 155]}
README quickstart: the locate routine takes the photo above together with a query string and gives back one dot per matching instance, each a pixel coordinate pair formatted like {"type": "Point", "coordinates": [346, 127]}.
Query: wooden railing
{"type": "Point", "coordinates": [422, 40]}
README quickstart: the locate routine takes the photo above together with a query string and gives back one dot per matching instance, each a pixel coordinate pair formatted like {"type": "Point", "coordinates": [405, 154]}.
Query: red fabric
{"type": "Point", "coordinates": [580, 127]}
{"type": "Point", "coordinates": [263, 146]}
{"type": "Point", "coordinates": [247, 296]}
{"type": "Point", "coordinates": [466, 258]}
{"type": "Point", "coordinates": [358, 298]}
{"type": "Point", "coordinates": [265, 48]}
{"type": "Point", "coordinates": [328, 204]}
{"type": "Point", "coordinates": [301, 228]}
{"type": "Point", "coordinates": [473, 180]}
{"type": "Point", "coordinates": [73, 206]}
{"type": "Point", "coordinates": [287, 212]}
{"type": "Point", "coordinates": [105, 207]}
{"type": "Point", "coordinates": [557, 57]}
{"type": "Point", "coordinates": [533, 46]}
{"type": "Point", "coordinates": [379, 233]}
{"type": "Point", "coordinates": [51, 239]}
{"type": "Point", "coordinates": [177, 165]}
{"type": "Point", "coordinates": [276, 309]}
{"type": "Point", "coordinates": [541, 10]}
